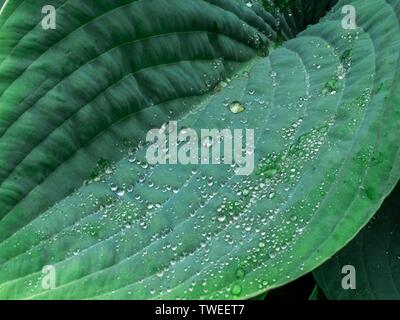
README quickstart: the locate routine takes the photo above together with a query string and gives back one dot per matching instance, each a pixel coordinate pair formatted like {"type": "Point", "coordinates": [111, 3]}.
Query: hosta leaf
{"type": "Point", "coordinates": [324, 161]}
{"type": "Point", "coordinates": [72, 79]}
{"type": "Point", "coordinates": [105, 66]}
{"type": "Point", "coordinates": [375, 255]}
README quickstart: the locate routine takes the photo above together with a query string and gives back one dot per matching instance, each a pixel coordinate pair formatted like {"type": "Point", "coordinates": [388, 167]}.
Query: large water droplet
{"type": "Point", "coordinates": [236, 289]}
{"type": "Point", "coordinates": [236, 107]}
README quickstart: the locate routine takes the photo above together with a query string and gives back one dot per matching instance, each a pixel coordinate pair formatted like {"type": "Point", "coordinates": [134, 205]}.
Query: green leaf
{"type": "Point", "coordinates": [77, 192]}
{"type": "Point", "coordinates": [317, 294]}
{"type": "Point", "coordinates": [375, 255]}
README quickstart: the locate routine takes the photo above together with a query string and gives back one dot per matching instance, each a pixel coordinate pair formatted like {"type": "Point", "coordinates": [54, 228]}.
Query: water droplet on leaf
{"type": "Point", "coordinates": [236, 107]}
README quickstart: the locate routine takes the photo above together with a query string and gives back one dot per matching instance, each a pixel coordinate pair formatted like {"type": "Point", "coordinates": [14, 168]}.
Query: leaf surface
{"type": "Point", "coordinates": [77, 192]}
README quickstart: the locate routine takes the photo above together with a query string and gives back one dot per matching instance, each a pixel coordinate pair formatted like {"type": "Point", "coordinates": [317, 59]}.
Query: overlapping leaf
{"type": "Point", "coordinates": [374, 254]}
